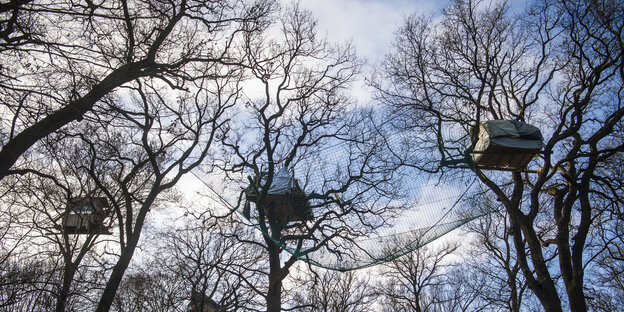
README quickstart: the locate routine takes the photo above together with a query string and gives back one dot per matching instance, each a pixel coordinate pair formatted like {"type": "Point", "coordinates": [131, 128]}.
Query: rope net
{"type": "Point", "coordinates": [363, 205]}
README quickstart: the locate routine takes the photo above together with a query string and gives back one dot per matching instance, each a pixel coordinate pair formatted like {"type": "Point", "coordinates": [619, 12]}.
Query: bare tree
{"type": "Point", "coordinates": [463, 291]}
{"type": "Point", "coordinates": [559, 66]}
{"type": "Point", "coordinates": [492, 257]}
{"type": "Point", "coordinates": [28, 285]}
{"type": "Point", "coordinates": [149, 290]}
{"type": "Point", "coordinates": [416, 281]}
{"type": "Point", "coordinates": [606, 290]}
{"type": "Point", "coordinates": [302, 111]}
{"type": "Point", "coordinates": [63, 61]}
{"type": "Point", "coordinates": [59, 59]}
{"type": "Point", "coordinates": [335, 291]}
{"type": "Point", "coordinates": [207, 258]}
{"type": "Point", "coordinates": [41, 203]}
{"type": "Point", "coordinates": [131, 153]}
{"type": "Point", "coordinates": [165, 140]}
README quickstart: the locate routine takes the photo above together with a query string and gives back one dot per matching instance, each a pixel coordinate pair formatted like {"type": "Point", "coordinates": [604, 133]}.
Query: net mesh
{"type": "Point", "coordinates": [368, 205]}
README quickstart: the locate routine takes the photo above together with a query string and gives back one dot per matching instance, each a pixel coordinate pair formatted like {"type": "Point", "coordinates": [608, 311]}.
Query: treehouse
{"type": "Point", "coordinates": [284, 198]}
{"type": "Point", "coordinates": [506, 145]}
{"type": "Point", "coordinates": [85, 215]}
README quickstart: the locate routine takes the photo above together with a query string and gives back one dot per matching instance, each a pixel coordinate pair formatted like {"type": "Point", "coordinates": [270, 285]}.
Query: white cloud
{"type": "Point", "coordinates": [369, 24]}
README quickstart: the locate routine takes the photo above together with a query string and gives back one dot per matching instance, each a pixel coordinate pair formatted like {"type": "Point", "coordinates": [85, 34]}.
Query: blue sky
{"type": "Point", "coordinates": [370, 24]}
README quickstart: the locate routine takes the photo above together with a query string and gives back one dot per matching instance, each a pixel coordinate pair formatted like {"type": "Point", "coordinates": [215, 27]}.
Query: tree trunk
{"type": "Point", "coordinates": [68, 277]}
{"type": "Point", "coordinates": [106, 300]}
{"type": "Point", "coordinates": [571, 272]}
{"type": "Point", "coordinates": [514, 304]}
{"type": "Point", "coordinates": [543, 286]}
{"type": "Point", "coordinates": [538, 277]}
{"type": "Point", "coordinates": [274, 293]}
{"type": "Point", "coordinates": [577, 298]}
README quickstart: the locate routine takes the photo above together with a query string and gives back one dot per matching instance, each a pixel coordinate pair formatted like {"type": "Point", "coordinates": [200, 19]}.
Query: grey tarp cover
{"type": "Point", "coordinates": [287, 199]}
{"type": "Point", "coordinates": [509, 133]}
{"type": "Point", "coordinates": [506, 144]}
{"type": "Point", "coordinates": [283, 183]}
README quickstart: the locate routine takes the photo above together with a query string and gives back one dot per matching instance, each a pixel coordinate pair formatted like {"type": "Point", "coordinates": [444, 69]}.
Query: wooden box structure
{"type": "Point", "coordinates": [85, 215]}
{"type": "Point", "coordinates": [506, 145]}
{"type": "Point", "coordinates": [285, 198]}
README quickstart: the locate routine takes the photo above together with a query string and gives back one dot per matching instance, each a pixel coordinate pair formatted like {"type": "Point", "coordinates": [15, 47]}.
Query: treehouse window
{"type": "Point", "coordinates": [84, 207]}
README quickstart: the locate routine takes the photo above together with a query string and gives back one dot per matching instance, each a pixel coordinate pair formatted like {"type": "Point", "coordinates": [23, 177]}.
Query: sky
{"type": "Point", "coordinates": [369, 24]}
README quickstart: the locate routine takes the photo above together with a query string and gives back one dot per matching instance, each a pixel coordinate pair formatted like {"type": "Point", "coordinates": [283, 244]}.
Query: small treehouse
{"type": "Point", "coordinates": [506, 145]}
{"type": "Point", "coordinates": [284, 198]}
{"type": "Point", "coordinates": [85, 215]}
